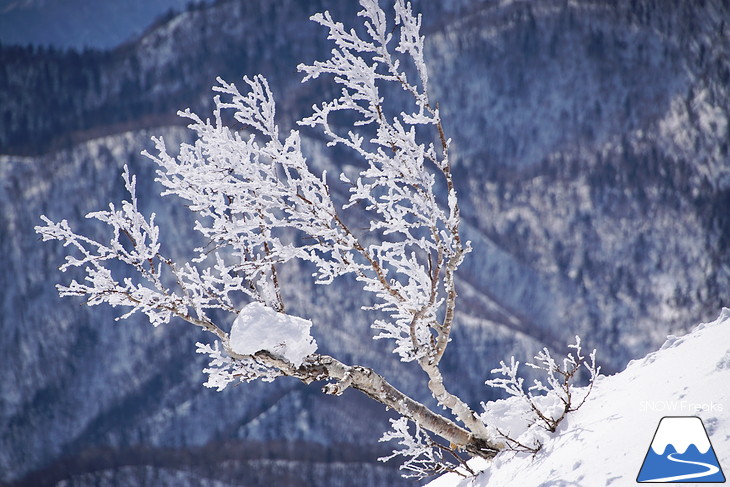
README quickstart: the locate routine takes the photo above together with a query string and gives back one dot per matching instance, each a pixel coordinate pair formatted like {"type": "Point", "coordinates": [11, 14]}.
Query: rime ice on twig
{"type": "Point", "coordinates": [224, 369]}
{"type": "Point", "coordinates": [135, 243]}
{"type": "Point", "coordinates": [424, 247]}
{"type": "Point", "coordinates": [423, 456]}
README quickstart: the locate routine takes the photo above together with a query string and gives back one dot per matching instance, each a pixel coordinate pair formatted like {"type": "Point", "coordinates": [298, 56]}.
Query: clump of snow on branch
{"type": "Point", "coordinates": [546, 402]}
{"type": "Point", "coordinates": [258, 328]}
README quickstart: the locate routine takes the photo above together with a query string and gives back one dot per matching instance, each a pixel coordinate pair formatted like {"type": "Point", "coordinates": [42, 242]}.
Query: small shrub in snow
{"type": "Point", "coordinates": [548, 400]}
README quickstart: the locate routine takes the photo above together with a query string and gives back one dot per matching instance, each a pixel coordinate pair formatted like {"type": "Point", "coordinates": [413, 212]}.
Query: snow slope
{"type": "Point", "coordinates": [605, 442]}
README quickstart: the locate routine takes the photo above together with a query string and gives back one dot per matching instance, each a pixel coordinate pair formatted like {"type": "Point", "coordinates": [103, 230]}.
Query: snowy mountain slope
{"type": "Point", "coordinates": [605, 442]}
{"type": "Point", "coordinates": [591, 150]}
{"type": "Point", "coordinates": [52, 98]}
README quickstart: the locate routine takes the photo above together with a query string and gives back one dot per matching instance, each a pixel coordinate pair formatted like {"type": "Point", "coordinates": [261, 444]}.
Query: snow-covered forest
{"type": "Point", "coordinates": [573, 182]}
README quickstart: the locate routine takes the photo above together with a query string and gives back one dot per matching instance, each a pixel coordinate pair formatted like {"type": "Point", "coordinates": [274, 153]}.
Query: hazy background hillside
{"type": "Point", "coordinates": [79, 24]}
{"type": "Point", "coordinates": [591, 152]}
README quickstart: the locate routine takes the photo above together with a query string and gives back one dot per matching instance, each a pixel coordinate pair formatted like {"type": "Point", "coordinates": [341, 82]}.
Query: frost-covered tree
{"type": "Point", "coordinates": [258, 205]}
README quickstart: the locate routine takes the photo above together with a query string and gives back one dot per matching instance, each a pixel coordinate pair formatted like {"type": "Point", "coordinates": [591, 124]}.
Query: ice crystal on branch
{"type": "Point", "coordinates": [224, 369]}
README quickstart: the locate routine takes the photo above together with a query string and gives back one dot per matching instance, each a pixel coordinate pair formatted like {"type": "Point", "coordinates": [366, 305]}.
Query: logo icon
{"type": "Point", "coordinates": [680, 452]}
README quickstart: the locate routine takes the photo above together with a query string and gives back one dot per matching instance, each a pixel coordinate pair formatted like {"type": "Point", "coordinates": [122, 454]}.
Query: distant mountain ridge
{"type": "Point", "coordinates": [80, 24]}
{"type": "Point", "coordinates": [52, 98]}
{"type": "Point", "coordinates": [591, 156]}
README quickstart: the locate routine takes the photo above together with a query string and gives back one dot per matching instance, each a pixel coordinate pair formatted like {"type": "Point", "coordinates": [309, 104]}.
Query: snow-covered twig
{"type": "Point", "coordinates": [224, 369]}
{"type": "Point", "coordinates": [135, 242]}
{"type": "Point", "coordinates": [423, 456]}
{"type": "Point", "coordinates": [397, 187]}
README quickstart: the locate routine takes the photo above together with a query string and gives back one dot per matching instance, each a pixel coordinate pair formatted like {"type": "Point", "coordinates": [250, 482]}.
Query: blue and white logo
{"type": "Point", "coordinates": [681, 452]}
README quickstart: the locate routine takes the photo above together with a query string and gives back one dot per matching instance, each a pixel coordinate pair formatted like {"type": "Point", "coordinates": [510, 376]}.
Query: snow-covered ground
{"type": "Point", "coordinates": [605, 442]}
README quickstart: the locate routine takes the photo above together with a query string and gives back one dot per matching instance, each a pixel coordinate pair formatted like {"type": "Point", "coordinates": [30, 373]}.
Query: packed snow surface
{"type": "Point", "coordinates": [605, 442]}
{"type": "Point", "coordinates": [258, 327]}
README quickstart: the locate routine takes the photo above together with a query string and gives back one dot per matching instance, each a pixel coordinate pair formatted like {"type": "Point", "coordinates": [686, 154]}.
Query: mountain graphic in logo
{"type": "Point", "coordinates": [681, 452]}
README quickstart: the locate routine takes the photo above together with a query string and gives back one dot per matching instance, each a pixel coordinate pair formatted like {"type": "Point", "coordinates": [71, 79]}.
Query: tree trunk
{"type": "Point", "coordinates": [375, 386]}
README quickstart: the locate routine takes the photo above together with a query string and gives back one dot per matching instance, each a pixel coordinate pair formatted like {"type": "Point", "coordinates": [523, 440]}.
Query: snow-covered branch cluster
{"type": "Point", "coordinates": [250, 192]}
{"type": "Point", "coordinates": [412, 266]}
{"type": "Point", "coordinates": [258, 206]}
{"type": "Point", "coordinates": [548, 401]}
{"type": "Point", "coordinates": [134, 242]}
